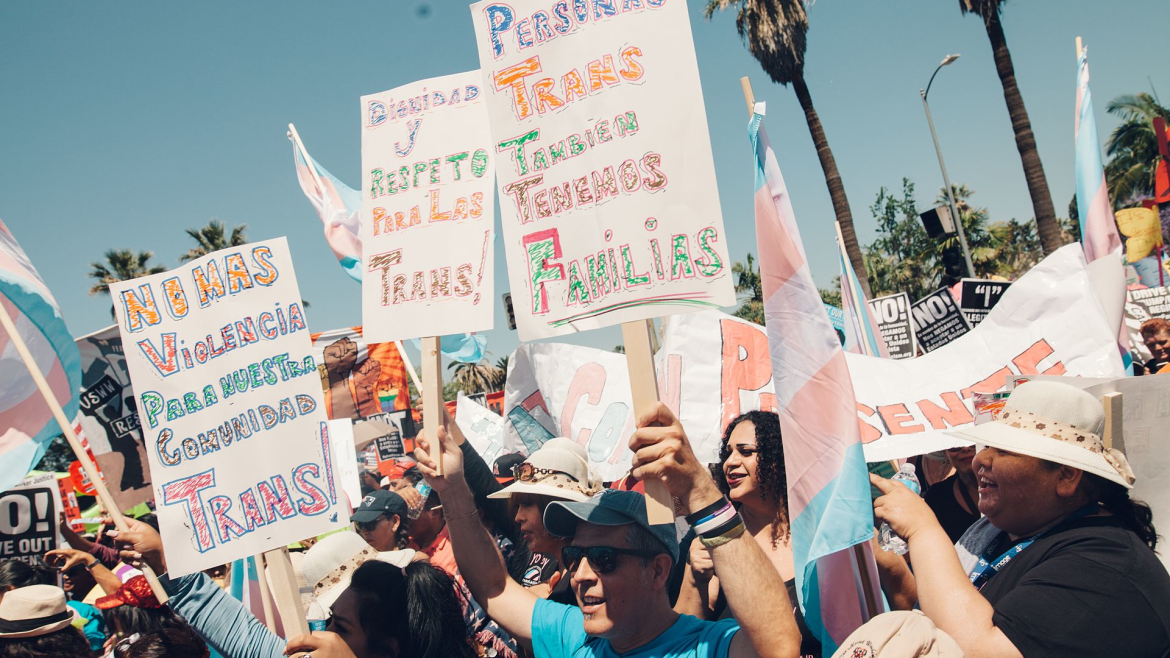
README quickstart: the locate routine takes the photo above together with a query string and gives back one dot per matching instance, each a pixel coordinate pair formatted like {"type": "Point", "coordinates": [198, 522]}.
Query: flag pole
{"type": "Point", "coordinates": [409, 367]}
{"type": "Point", "coordinates": [91, 470]}
{"type": "Point", "coordinates": [869, 599]}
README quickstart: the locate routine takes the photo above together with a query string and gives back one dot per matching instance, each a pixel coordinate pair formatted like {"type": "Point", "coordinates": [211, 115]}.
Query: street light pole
{"type": "Point", "coordinates": [942, 165]}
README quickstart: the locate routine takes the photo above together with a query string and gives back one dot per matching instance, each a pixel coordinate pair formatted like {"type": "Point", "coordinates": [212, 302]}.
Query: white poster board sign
{"type": "Point", "coordinates": [427, 212]}
{"type": "Point", "coordinates": [607, 185]}
{"type": "Point", "coordinates": [230, 404]}
{"type": "Point", "coordinates": [481, 426]}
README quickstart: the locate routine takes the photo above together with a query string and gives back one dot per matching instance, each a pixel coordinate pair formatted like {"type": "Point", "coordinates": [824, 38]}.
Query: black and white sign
{"type": "Point", "coordinates": [28, 519]}
{"type": "Point", "coordinates": [892, 314]}
{"type": "Point", "coordinates": [937, 320]}
{"type": "Point", "coordinates": [978, 296]}
{"type": "Point", "coordinates": [390, 446]}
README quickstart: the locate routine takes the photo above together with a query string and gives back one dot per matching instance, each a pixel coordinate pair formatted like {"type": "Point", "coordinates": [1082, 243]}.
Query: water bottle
{"type": "Point", "coordinates": [886, 537]}
{"type": "Point", "coordinates": [424, 491]}
{"type": "Point", "coordinates": [314, 611]}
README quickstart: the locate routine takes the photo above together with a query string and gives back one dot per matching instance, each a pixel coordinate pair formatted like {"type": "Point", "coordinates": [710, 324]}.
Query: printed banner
{"type": "Point", "coordinates": [978, 296]}
{"type": "Point", "coordinates": [110, 418]}
{"type": "Point", "coordinates": [230, 399]}
{"type": "Point", "coordinates": [607, 184]}
{"type": "Point", "coordinates": [1142, 305]}
{"type": "Point", "coordinates": [360, 379]}
{"type": "Point", "coordinates": [427, 211]}
{"type": "Point", "coordinates": [937, 320]}
{"type": "Point", "coordinates": [892, 314]}
{"type": "Point", "coordinates": [28, 519]}
{"type": "Point", "coordinates": [1050, 321]}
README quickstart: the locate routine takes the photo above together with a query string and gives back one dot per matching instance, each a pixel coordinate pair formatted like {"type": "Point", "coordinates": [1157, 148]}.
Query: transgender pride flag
{"type": "Point", "coordinates": [26, 423]}
{"type": "Point", "coordinates": [861, 330]}
{"type": "Point", "coordinates": [337, 205]}
{"type": "Point", "coordinates": [1098, 228]}
{"type": "Point", "coordinates": [828, 485]}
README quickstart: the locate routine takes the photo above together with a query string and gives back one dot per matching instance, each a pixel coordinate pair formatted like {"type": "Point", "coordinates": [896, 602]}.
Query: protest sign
{"type": "Point", "coordinates": [978, 296]}
{"type": "Point", "coordinates": [345, 462]}
{"type": "Point", "coordinates": [892, 314]}
{"type": "Point", "coordinates": [360, 379]}
{"type": "Point", "coordinates": [110, 418]}
{"type": "Point", "coordinates": [482, 427]}
{"type": "Point", "coordinates": [230, 398]}
{"type": "Point", "coordinates": [1142, 305]}
{"type": "Point", "coordinates": [607, 184]}
{"type": "Point", "coordinates": [28, 519]}
{"type": "Point", "coordinates": [427, 211]}
{"type": "Point", "coordinates": [937, 320]}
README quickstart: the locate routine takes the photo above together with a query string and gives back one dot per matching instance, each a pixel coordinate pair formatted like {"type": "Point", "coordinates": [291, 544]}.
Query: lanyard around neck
{"type": "Point", "coordinates": [985, 570]}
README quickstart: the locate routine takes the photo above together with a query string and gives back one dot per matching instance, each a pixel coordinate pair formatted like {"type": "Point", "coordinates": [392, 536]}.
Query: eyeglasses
{"type": "Point", "coordinates": [525, 472]}
{"type": "Point", "coordinates": [369, 526]}
{"type": "Point", "coordinates": [603, 559]}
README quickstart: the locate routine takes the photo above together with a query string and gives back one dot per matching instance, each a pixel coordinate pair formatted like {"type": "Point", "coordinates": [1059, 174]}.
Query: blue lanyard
{"type": "Point", "coordinates": [984, 570]}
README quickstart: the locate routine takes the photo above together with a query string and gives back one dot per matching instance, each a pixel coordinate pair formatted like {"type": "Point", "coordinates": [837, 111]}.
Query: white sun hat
{"type": "Point", "coordinates": [33, 611]}
{"type": "Point", "coordinates": [330, 563]}
{"type": "Point", "coordinates": [1056, 422]}
{"type": "Point", "coordinates": [560, 469]}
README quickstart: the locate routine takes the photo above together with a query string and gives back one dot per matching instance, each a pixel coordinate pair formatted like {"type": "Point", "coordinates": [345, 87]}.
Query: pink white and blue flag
{"type": "Point", "coordinates": [26, 423]}
{"type": "Point", "coordinates": [828, 486]}
{"type": "Point", "coordinates": [337, 205]}
{"type": "Point", "coordinates": [861, 330]}
{"type": "Point", "coordinates": [1098, 228]}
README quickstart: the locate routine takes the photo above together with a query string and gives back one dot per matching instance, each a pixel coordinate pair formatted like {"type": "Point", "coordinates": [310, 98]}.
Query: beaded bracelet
{"type": "Point", "coordinates": [712, 541]}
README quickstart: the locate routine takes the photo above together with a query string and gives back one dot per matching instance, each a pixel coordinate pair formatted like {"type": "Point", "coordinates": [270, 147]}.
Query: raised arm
{"type": "Point", "coordinates": [752, 586]}
{"type": "Point", "coordinates": [480, 563]}
{"type": "Point", "coordinates": [70, 558]}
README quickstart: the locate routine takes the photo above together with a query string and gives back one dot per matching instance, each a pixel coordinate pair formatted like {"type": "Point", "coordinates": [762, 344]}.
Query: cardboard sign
{"type": "Point", "coordinates": [28, 519]}
{"type": "Point", "coordinates": [978, 296]}
{"type": "Point", "coordinates": [607, 185]}
{"type": "Point", "coordinates": [937, 320]}
{"type": "Point", "coordinates": [110, 418]}
{"type": "Point", "coordinates": [892, 314]}
{"type": "Point", "coordinates": [360, 379]}
{"type": "Point", "coordinates": [427, 211]}
{"type": "Point", "coordinates": [231, 406]}
{"type": "Point", "coordinates": [1142, 305]}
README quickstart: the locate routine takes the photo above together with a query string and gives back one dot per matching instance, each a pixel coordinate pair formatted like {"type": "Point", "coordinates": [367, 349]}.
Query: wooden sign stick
{"type": "Point", "coordinates": [644, 392]}
{"type": "Point", "coordinates": [432, 395]}
{"type": "Point", "coordinates": [91, 470]}
{"type": "Point", "coordinates": [1113, 420]}
{"type": "Point", "coordinates": [265, 596]}
{"type": "Point", "coordinates": [286, 591]}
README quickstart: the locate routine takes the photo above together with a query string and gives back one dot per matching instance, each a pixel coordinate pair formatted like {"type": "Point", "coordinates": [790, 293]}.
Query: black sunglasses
{"type": "Point", "coordinates": [603, 559]}
{"type": "Point", "coordinates": [369, 526]}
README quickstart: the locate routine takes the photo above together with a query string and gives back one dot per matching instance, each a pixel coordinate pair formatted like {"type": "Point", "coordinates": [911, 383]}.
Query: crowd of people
{"type": "Point", "coordinates": [1027, 545]}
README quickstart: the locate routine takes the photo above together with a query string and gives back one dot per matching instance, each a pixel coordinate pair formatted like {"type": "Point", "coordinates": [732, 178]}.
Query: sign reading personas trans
{"type": "Point", "coordinates": [229, 398]}
{"type": "Point", "coordinates": [892, 314]}
{"type": "Point", "coordinates": [427, 212]}
{"type": "Point", "coordinates": [937, 320]}
{"type": "Point", "coordinates": [978, 296]}
{"type": "Point", "coordinates": [607, 184]}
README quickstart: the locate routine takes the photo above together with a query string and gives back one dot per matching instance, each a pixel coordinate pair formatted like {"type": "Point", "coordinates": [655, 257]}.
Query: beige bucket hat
{"type": "Point", "coordinates": [33, 611]}
{"type": "Point", "coordinates": [560, 469]}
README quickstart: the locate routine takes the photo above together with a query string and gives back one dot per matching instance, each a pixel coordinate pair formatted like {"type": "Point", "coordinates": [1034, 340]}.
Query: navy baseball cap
{"type": "Point", "coordinates": [378, 503]}
{"type": "Point", "coordinates": [610, 508]}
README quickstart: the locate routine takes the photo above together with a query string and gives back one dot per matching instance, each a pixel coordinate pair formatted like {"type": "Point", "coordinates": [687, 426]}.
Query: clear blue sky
{"type": "Point", "coordinates": [124, 123]}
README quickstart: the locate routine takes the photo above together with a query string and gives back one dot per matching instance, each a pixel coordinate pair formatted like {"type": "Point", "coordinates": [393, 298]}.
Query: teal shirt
{"type": "Point", "coordinates": [558, 631]}
{"type": "Point", "coordinates": [92, 624]}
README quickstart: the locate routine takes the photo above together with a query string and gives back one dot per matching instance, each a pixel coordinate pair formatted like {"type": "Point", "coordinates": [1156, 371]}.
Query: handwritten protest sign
{"type": "Point", "coordinates": [892, 314]}
{"type": "Point", "coordinates": [607, 184]}
{"type": "Point", "coordinates": [978, 296]}
{"type": "Point", "coordinates": [28, 519]}
{"type": "Point", "coordinates": [230, 400]}
{"type": "Point", "coordinates": [110, 418]}
{"type": "Point", "coordinates": [938, 320]}
{"type": "Point", "coordinates": [427, 212]}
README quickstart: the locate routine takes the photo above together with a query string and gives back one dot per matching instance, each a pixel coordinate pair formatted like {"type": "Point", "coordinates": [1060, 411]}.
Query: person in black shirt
{"type": "Point", "coordinates": [954, 501]}
{"type": "Point", "coordinates": [1062, 564]}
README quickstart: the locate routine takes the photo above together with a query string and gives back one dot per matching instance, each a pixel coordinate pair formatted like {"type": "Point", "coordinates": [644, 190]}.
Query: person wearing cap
{"type": "Point", "coordinates": [1062, 563]}
{"type": "Point", "coordinates": [133, 611]}
{"type": "Point", "coordinates": [619, 563]}
{"type": "Point", "coordinates": [559, 470]}
{"type": "Point", "coordinates": [35, 622]}
{"type": "Point", "coordinates": [382, 521]}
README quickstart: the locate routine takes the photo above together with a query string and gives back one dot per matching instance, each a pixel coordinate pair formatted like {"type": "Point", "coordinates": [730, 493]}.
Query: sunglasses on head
{"type": "Point", "coordinates": [603, 559]}
{"type": "Point", "coordinates": [525, 472]}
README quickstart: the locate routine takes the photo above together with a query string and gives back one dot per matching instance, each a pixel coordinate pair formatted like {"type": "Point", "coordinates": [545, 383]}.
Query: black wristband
{"type": "Point", "coordinates": [731, 523]}
{"type": "Point", "coordinates": [692, 519]}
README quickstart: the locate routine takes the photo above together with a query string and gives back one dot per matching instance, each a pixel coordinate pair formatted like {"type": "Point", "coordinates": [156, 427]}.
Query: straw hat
{"type": "Point", "coordinates": [902, 634]}
{"type": "Point", "coordinates": [330, 563]}
{"type": "Point", "coordinates": [562, 472]}
{"type": "Point", "coordinates": [1055, 422]}
{"type": "Point", "coordinates": [33, 611]}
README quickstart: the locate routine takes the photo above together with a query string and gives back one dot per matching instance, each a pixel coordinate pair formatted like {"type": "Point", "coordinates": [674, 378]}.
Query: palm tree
{"type": "Point", "coordinates": [121, 265]}
{"type": "Point", "coordinates": [213, 237]}
{"type": "Point", "coordinates": [1046, 223]}
{"type": "Point", "coordinates": [502, 378]}
{"type": "Point", "coordinates": [474, 377]}
{"type": "Point", "coordinates": [775, 34]}
{"type": "Point", "coordinates": [749, 283]}
{"type": "Point", "coordinates": [1133, 148]}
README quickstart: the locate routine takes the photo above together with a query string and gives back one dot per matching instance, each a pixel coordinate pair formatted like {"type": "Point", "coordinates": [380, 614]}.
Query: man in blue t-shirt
{"type": "Point", "coordinates": [619, 564]}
